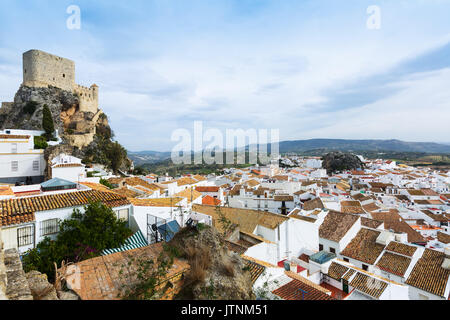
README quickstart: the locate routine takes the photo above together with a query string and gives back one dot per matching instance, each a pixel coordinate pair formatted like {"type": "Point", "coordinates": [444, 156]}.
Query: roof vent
{"type": "Point", "coordinates": [384, 237]}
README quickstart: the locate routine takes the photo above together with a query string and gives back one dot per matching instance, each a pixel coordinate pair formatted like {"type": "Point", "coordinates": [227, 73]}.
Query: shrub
{"type": "Point", "coordinates": [40, 142]}
{"type": "Point", "coordinates": [106, 183]}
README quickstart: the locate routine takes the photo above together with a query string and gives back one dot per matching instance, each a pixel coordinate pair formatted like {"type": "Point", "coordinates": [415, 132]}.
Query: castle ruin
{"type": "Point", "coordinates": [41, 70]}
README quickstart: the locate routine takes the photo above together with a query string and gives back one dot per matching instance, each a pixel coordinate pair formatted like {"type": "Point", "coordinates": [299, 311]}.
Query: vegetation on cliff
{"type": "Point", "coordinates": [47, 123]}
{"type": "Point", "coordinates": [215, 273]}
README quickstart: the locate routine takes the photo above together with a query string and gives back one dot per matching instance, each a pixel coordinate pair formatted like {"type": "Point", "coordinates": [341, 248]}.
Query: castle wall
{"type": "Point", "coordinates": [88, 98]}
{"type": "Point", "coordinates": [41, 69]}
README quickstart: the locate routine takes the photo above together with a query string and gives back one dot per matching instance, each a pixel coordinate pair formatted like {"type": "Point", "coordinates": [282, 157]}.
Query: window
{"type": "Point", "coordinates": [122, 214]}
{"type": "Point", "coordinates": [346, 260]}
{"type": "Point", "coordinates": [13, 147]}
{"type": "Point", "coordinates": [14, 166]}
{"type": "Point", "coordinates": [332, 250]}
{"type": "Point", "coordinates": [49, 227]}
{"type": "Point", "coordinates": [320, 247]}
{"type": "Point", "coordinates": [36, 165]}
{"type": "Point", "coordinates": [365, 267]}
{"type": "Point", "coordinates": [25, 236]}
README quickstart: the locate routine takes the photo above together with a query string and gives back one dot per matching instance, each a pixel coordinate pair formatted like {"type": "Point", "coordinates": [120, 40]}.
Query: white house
{"type": "Point", "coordinates": [28, 220]}
{"type": "Point", "coordinates": [19, 161]}
{"type": "Point", "coordinates": [68, 167]}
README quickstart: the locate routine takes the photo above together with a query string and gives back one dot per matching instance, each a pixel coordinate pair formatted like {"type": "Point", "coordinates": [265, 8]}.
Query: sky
{"type": "Point", "coordinates": [311, 68]}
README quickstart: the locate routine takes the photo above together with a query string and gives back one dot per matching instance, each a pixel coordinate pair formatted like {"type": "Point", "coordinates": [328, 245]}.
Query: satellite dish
{"type": "Point", "coordinates": [154, 228]}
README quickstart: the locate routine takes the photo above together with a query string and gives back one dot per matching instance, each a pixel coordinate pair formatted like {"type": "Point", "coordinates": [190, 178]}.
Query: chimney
{"type": "Point", "coordinates": [446, 262]}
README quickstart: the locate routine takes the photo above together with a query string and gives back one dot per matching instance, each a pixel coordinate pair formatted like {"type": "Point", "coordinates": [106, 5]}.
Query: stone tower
{"type": "Point", "coordinates": [42, 69]}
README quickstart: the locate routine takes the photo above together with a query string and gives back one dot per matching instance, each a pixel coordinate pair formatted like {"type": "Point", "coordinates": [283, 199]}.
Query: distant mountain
{"type": "Point", "coordinates": [142, 157]}
{"type": "Point", "coordinates": [363, 145]}
{"type": "Point", "coordinates": [324, 145]}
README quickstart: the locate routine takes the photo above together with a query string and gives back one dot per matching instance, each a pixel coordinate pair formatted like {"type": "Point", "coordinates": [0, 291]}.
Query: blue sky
{"type": "Point", "coordinates": [311, 69]}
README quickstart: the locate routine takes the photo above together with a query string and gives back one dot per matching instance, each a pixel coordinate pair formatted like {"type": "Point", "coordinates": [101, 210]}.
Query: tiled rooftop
{"type": "Point", "coordinates": [20, 210]}
{"type": "Point", "coordinates": [363, 247]}
{"type": "Point", "coordinates": [298, 290]}
{"type": "Point", "coordinates": [428, 273]}
{"type": "Point", "coordinates": [371, 286]}
{"type": "Point", "coordinates": [336, 225]}
{"type": "Point", "coordinates": [246, 219]}
{"type": "Point", "coordinates": [106, 277]}
{"type": "Point", "coordinates": [401, 248]}
{"type": "Point", "coordinates": [394, 263]}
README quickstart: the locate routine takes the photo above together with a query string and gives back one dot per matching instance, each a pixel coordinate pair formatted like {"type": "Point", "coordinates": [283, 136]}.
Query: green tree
{"type": "Point", "coordinates": [47, 122]}
{"type": "Point", "coordinates": [117, 155]}
{"type": "Point", "coordinates": [84, 235]}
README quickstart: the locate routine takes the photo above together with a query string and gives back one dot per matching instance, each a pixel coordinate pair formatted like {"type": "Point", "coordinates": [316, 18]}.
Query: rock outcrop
{"type": "Point", "coordinates": [215, 273]}
{"type": "Point", "coordinates": [339, 161]}
{"type": "Point", "coordinates": [17, 284]}
{"type": "Point", "coordinates": [75, 126]}
{"type": "Point", "coordinates": [39, 286]}
{"type": "Point", "coordinates": [81, 131]}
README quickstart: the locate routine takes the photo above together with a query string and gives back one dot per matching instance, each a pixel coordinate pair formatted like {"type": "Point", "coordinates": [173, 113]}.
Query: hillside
{"type": "Point", "coordinates": [359, 145]}
{"type": "Point", "coordinates": [142, 157]}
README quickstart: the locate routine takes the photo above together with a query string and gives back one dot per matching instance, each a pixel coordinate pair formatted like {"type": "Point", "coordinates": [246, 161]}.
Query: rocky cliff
{"type": "Point", "coordinates": [81, 131]}
{"type": "Point", "coordinates": [215, 272]}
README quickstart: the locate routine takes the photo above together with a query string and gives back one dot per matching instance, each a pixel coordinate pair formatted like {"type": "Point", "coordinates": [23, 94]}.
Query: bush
{"type": "Point", "coordinates": [90, 174]}
{"type": "Point", "coordinates": [40, 142]}
{"type": "Point", "coordinates": [106, 183]}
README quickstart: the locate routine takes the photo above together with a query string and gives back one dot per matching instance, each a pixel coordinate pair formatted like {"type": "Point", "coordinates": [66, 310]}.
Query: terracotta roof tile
{"type": "Point", "coordinates": [443, 237]}
{"type": "Point", "coordinates": [401, 248]}
{"type": "Point", "coordinates": [293, 291]}
{"type": "Point", "coordinates": [336, 225]}
{"type": "Point", "coordinates": [207, 188]}
{"type": "Point", "coordinates": [20, 210]}
{"type": "Point", "coordinates": [372, 287]}
{"type": "Point", "coordinates": [428, 274]}
{"type": "Point", "coordinates": [363, 247]}
{"type": "Point", "coordinates": [255, 269]}
{"type": "Point", "coordinates": [392, 220]}
{"type": "Point", "coordinates": [394, 263]}
{"type": "Point", "coordinates": [246, 219]}
{"type": "Point", "coordinates": [337, 271]}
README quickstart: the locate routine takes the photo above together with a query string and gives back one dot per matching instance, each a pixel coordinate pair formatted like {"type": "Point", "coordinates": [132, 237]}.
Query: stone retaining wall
{"type": "Point", "coordinates": [2, 270]}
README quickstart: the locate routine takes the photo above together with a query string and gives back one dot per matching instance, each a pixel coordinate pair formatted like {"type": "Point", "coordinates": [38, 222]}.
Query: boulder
{"type": "Point", "coordinates": [339, 161]}
{"type": "Point", "coordinates": [39, 286]}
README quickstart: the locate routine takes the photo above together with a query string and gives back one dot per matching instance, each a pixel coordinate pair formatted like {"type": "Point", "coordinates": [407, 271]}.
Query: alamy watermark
{"type": "Point", "coordinates": [73, 22]}
{"type": "Point", "coordinates": [236, 146]}
{"type": "Point", "coordinates": [374, 20]}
